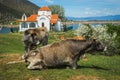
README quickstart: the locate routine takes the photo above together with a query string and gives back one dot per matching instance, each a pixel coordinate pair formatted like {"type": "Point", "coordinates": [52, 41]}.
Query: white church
{"type": "Point", "coordinates": [44, 18]}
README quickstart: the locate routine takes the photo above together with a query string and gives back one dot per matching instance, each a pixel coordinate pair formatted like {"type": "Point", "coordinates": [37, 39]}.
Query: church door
{"type": "Point", "coordinates": [43, 25]}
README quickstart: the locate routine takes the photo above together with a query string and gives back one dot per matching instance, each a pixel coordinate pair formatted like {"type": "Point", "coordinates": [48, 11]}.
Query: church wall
{"type": "Point", "coordinates": [44, 13]}
{"type": "Point", "coordinates": [44, 20]}
{"type": "Point", "coordinates": [27, 25]}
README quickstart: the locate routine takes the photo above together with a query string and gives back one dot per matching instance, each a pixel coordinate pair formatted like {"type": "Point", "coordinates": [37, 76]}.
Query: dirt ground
{"type": "Point", "coordinates": [15, 58]}
{"type": "Point", "coordinates": [9, 58]}
{"type": "Point", "coordinates": [83, 77]}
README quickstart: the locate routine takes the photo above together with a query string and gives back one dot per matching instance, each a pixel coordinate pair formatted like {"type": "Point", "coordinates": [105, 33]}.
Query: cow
{"type": "Point", "coordinates": [33, 37]}
{"type": "Point", "coordinates": [65, 52]}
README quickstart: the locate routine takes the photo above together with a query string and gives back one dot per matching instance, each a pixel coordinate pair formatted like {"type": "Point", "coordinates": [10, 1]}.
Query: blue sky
{"type": "Point", "coordinates": [84, 8]}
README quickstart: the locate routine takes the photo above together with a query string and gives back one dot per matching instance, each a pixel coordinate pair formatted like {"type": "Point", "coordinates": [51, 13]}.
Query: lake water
{"type": "Point", "coordinates": [5, 30]}
{"type": "Point", "coordinates": [75, 26]}
{"type": "Point", "coordinates": [72, 27]}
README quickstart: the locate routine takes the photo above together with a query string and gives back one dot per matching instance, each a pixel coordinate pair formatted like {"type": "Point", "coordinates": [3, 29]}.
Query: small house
{"type": "Point", "coordinates": [44, 18]}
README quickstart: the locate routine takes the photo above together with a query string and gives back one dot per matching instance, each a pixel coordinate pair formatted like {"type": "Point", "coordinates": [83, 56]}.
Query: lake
{"type": "Point", "coordinates": [75, 26]}
{"type": "Point", "coordinates": [5, 30]}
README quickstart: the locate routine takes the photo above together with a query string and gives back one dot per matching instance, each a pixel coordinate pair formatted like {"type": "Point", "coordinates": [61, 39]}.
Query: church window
{"type": "Point", "coordinates": [24, 25]}
{"type": "Point", "coordinates": [32, 25]}
{"type": "Point", "coordinates": [42, 18]}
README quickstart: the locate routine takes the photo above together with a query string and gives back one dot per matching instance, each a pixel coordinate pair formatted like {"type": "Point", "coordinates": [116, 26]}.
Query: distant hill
{"type": "Point", "coordinates": [110, 17]}
{"type": "Point", "coordinates": [14, 9]}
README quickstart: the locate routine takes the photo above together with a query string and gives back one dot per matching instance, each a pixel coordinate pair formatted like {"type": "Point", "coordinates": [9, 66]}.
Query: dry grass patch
{"type": "Point", "coordinates": [83, 77]}
{"type": "Point", "coordinates": [6, 58]}
{"type": "Point", "coordinates": [37, 78]}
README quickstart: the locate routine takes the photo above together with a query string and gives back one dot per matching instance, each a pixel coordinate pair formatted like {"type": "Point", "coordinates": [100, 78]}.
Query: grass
{"type": "Point", "coordinates": [11, 43]}
{"type": "Point", "coordinates": [93, 67]}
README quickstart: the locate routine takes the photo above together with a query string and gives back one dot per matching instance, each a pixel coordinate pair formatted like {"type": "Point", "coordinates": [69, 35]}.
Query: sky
{"type": "Point", "coordinates": [84, 8]}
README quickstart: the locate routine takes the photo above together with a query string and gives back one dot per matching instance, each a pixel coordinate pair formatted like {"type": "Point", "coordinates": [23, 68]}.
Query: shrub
{"type": "Point", "coordinates": [111, 30]}
{"type": "Point", "coordinates": [85, 30]}
{"type": "Point", "coordinates": [104, 34]}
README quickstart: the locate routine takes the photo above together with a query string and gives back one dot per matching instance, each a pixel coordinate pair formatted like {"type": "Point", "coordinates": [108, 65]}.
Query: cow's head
{"type": "Point", "coordinates": [30, 56]}
{"type": "Point", "coordinates": [96, 46]}
{"type": "Point", "coordinates": [33, 37]}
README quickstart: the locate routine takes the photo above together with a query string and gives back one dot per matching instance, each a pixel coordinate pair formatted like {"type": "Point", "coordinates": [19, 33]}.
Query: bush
{"type": "Point", "coordinates": [107, 34]}
{"type": "Point", "coordinates": [85, 30]}
{"type": "Point", "coordinates": [111, 30]}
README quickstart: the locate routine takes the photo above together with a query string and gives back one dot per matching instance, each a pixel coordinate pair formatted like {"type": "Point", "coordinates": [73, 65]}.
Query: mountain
{"type": "Point", "coordinates": [14, 9]}
{"type": "Point", "coordinates": [109, 17]}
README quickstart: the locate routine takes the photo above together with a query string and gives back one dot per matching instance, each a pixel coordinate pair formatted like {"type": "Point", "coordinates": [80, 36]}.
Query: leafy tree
{"type": "Point", "coordinates": [111, 29]}
{"type": "Point", "coordinates": [108, 34]}
{"type": "Point", "coordinates": [85, 30]}
{"type": "Point", "coordinates": [57, 9]}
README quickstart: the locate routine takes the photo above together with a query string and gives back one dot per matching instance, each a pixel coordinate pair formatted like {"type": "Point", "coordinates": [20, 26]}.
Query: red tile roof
{"type": "Point", "coordinates": [32, 18]}
{"type": "Point", "coordinates": [54, 18]}
{"type": "Point", "coordinates": [44, 8]}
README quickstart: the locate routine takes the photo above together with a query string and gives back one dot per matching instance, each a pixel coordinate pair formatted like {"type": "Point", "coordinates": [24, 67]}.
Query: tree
{"type": "Point", "coordinates": [57, 9]}
{"type": "Point", "coordinates": [108, 34]}
{"type": "Point", "coordinates": [115, 29]}
{"type": "Point", "coordinates": [85, 30]}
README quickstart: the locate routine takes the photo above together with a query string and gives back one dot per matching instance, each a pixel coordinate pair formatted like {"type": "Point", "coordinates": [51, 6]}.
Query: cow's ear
{"type": "Point", "coordinates": [94, 39]}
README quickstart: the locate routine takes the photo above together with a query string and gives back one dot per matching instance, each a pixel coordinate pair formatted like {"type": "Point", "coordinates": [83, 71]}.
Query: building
{"type": "Point", "coordinates": [44, 18]}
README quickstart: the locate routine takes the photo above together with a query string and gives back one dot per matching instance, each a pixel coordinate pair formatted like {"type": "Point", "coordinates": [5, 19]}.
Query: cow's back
{"type": "Point", "coordinates": [58, 53]}
{"type": "Point", "coordinates": [55, 53]}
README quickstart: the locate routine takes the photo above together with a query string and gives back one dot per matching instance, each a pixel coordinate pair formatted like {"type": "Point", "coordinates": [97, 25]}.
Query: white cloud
{"type": "Point", "coordinates": [49, 1]}
{"type": "Point", "coordinates": [89, 12]}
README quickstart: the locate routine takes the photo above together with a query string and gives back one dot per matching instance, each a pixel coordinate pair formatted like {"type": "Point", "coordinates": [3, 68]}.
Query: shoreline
{"type": "Point", "coordinates": [9, 26]}
{"type": "Point", "coordinates": [90, 22]}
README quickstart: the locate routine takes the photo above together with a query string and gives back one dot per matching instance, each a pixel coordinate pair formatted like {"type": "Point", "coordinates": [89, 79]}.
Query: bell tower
{"type": "Point", "coordinates": [24, 17]}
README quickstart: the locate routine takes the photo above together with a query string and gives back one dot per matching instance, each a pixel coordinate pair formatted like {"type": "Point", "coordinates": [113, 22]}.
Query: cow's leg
{"type": "Point", "coordinates": [33, 65]}
{"type": "Point", "coordinates": [45, 40]}
{"type": "Point", "coordinates": [73, 64]}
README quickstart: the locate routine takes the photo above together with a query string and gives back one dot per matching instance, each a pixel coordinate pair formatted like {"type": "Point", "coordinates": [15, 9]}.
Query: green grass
{"type": "Point", "coordinates": [105, 67]}
{"type": "Point", "coordinates": [11, 43]}
{"type": "Point", "coordinates": [100, 66]}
